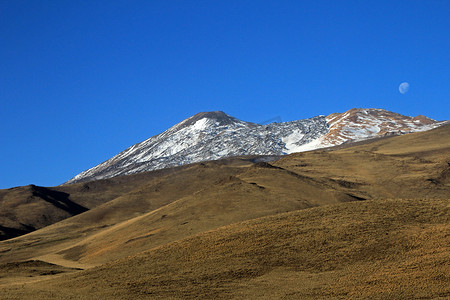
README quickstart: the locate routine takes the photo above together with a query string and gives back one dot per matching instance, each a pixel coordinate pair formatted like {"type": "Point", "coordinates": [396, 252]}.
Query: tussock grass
{"type": "Point", "coordinates": [366, 222]}
{"type": "Point", "coordinates": [396, 249]}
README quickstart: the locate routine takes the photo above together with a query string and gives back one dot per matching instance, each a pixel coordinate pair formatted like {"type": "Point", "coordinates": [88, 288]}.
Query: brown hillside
{"type": "Point", "coordinates": [390, 249]}
{"type": "Point", "coordinates": [410, 166]}
{"type": "Point", "coordinates": [25, 209]}
{"type": "Point", "coordinates": [329, 243]}
{"type": "Point", "coordinates": [195, 199]}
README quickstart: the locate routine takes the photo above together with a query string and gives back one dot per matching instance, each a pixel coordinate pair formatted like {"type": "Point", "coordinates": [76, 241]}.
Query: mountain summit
{"type": "Point", "coordinates": [219, 117]}
{"type": "Point", "coordinates": [214, 135]}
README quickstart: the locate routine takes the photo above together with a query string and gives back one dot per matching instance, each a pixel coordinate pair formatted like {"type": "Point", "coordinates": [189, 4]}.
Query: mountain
{"type": "Point", "coordinates": [214, 135]}
{"type": "Point", "coordinates": [361, 124]}
{"type": "Point", "coordinates": [363, 221]}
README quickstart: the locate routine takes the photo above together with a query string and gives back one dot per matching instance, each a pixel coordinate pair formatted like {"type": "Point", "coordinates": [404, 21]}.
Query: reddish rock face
{"type": "Point", "coordinates": [357, 124]}
{"type": "Point", "coordinates": [424, 120]}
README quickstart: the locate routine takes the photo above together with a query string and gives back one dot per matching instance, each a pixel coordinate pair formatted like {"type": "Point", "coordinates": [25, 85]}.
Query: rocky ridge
{"type": "Point", "coordinates": [214, 135]}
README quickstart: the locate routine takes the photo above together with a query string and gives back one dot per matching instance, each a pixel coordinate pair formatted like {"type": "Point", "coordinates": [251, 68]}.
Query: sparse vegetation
{"type": "Point", "coordinates": [369, 221]}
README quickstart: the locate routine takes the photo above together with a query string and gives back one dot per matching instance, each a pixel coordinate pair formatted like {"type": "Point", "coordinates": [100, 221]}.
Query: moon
{"type": "Point", "coordinates": [403, 87]}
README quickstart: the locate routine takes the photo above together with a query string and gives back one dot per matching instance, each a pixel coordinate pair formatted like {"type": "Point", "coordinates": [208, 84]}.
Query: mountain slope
{"type": "Point", "coordinates": [214, 135]}
{"type": "Point", "coordinates": [203, 137]}
{"type": "Point", "coordinates": [194, 199]}
{"type": "Point", "coordinates": [27, 208]}
{"type": "Point", "coordinates": [171, 204]}
{"type": "Point", "coordinates": [360, 124]}
{"type": "Point", "coordinates": [390, 249]}
{"type": "Point", "coordinates": [182, 228]}
{"type": "Point", "coordinates": [24, 209]}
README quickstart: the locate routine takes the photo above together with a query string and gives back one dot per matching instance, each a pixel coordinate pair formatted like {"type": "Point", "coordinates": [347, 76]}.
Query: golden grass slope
{"type": "Point", "coordinates": [396, 249]}
{"type": "Point", "coordinates": [30, 271]}
{"type": "Point", "coordinates": [25, 209]}
{"type": "Point", "coordinates": [409, 166]}
{"type": "Point", "coordinates": [195, 199]}
{"type": "Point", "coordinates": [340, 238]}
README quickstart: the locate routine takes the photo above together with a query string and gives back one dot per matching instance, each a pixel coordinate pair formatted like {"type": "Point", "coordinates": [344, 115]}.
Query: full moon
{"type": "Point", "coordinates": [403, 87]}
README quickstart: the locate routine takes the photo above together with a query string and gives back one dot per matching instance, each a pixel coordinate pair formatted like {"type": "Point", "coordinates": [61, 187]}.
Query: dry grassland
{"type": "Point", "coordinates": [369, 221]}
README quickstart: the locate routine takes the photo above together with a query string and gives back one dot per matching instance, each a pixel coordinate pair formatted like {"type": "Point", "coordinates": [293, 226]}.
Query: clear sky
{"type": "Point", "coordinates": [82, 80]}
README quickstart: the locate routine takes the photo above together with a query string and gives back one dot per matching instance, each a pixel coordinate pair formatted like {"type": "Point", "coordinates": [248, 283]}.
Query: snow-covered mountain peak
{"type": "Point", "coordinates": [217, 117]}
{"type": "Point", "coordinates": [214, 135]}
{"type": "Point", "coordinates": [205, 121]}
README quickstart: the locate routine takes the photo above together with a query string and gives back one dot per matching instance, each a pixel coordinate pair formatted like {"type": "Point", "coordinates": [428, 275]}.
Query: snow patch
{"type": "Point", "coordinates": [313, 145]}
{"type": "Point", "coordinates": [292, 141]}
{"type": "Point", "coordinates": [201, 124]}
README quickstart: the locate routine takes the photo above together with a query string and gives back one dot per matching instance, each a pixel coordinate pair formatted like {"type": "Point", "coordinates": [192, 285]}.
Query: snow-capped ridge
{"type": "Point", "coordinates": [214, 135]}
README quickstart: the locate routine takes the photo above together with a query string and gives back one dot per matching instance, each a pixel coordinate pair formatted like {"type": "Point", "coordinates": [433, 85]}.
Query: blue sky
{"type": "Point", "coordinates": [81, 81]}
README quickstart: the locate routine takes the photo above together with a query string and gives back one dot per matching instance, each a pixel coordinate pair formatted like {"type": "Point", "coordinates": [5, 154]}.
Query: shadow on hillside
{"type": "Point", "coordinates": [9, 233]}
{"type": "Point", "coordinates": [58, 199]}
